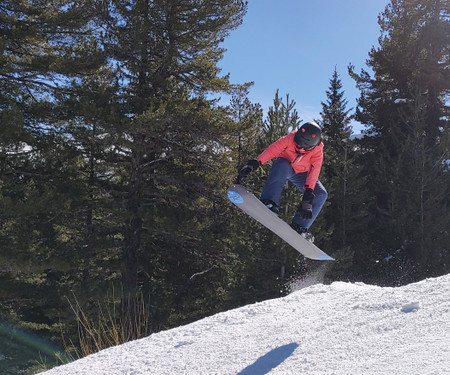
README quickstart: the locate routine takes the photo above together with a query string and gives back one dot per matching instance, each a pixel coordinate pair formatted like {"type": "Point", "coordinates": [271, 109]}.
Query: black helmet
{"type": "Point", "coordinates": [308, 135]}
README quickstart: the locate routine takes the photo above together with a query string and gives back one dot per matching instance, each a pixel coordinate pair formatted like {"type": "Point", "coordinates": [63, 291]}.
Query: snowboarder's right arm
{"type": "Point", "coordinates": [275, 149]}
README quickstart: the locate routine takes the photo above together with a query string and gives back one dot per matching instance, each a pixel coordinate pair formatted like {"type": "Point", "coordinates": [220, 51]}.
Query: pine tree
{"type": "Point", "coordinates": [407, 117]}
{"type": "Point", "coordinates": [248, 119]}
{"type": "Point", "coordinates": [45, 47]}
{"type": "Point", "coordinates": [336, 136]}
{"type": "Point", "coordinates": [281, 119]}
{"type": "Point", "coordinates": [337, 172]}
{"type": "Point", "coordinates": [125, 153]}
{"type": "Point", "coordinates": [168, 136]}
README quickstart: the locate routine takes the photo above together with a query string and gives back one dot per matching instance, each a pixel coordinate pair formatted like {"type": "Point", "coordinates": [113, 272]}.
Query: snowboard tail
{"type": "Point", "coordinates": [252, 206]}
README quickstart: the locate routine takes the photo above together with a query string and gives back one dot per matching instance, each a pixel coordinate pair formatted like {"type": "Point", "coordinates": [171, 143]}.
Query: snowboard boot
{"type": "Point", "coordinates": [302, 232]}
{"type": "Point", "coordinates": [271, 205]}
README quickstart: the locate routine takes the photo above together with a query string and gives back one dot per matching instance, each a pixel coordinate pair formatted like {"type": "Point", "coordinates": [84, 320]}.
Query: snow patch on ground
{"type": "Point", "coordinates": [341, 329]}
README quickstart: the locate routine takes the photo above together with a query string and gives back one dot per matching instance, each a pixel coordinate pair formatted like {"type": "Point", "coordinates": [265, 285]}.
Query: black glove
{"type": "Point", "coordinates": [305, 209]}
{"type": "Point", "coordinates": [252, 165]}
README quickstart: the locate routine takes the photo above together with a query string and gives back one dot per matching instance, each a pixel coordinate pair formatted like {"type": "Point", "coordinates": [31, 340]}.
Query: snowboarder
{"type": "Point", "coordinates": [299, 157]}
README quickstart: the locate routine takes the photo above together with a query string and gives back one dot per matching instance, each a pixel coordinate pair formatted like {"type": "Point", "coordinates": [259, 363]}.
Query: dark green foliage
{"type": "Point", "coordinates": [282, 118]}
{"type": "Point", "coordinates": [339, 218]}
{"type": "Point", "coordinates": [112, 160]}
{"type": "Point", "coordinates": [405, 109]}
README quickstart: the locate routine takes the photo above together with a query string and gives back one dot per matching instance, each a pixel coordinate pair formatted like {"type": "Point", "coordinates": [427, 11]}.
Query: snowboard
{"type": "Point", "coordinates": [252, 206]}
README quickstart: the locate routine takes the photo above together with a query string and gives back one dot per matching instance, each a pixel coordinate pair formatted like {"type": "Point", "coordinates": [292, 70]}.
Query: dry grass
{"type": "Point", "coordinates": [117, 320]}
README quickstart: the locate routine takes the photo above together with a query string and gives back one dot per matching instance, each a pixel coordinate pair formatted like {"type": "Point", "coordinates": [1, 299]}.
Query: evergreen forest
{"type": "Point", "coordinates": [115, 160]}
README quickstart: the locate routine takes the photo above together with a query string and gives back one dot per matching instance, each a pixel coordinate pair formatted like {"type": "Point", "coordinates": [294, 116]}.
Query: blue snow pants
{"type": "Point", "coordinates": [280, 172]}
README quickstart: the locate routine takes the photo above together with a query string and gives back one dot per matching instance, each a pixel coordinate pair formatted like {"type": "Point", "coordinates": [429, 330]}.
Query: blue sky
{"type": "Point", "coordinates": [294, 46]}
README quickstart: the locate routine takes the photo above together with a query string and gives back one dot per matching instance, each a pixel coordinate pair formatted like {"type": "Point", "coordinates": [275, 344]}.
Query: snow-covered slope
{"type": "Point", "coordinates": [340, 328]}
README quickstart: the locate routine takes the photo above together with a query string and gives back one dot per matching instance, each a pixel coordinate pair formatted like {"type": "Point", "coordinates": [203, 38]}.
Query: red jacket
{"type": "Point", "coordinates": [309, 161]}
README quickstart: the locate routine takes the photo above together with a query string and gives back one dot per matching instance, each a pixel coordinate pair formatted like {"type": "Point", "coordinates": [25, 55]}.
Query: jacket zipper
{"type": "Point", "coordinates": [297, 160]}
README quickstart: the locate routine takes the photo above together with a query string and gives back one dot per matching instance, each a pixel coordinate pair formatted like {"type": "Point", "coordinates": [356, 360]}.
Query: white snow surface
{"type": "Point", "coordinates": [342, 328]}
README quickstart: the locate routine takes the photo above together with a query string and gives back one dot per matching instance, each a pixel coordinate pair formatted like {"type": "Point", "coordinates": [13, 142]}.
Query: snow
{"type": "Point", "coordinates": [342, 328]}
{"type": "Point", "coordinates": [398, 101]}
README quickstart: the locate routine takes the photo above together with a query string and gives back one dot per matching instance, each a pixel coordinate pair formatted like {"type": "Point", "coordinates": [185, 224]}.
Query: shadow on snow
{"type": "Point", "coordinates": [270, 360]}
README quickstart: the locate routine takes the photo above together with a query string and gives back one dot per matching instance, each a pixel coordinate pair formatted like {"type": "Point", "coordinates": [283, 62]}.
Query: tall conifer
{"type": "Point", "coordinates": [165, 53]}
{"type": "Point", "coordinates": [336, 136]}
{"type": "Point", "coordinates": [404, 107]}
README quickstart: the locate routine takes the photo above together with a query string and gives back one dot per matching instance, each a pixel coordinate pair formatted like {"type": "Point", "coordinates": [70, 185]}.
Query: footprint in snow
{"type": "Point", "coordinates": [410, 307]}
